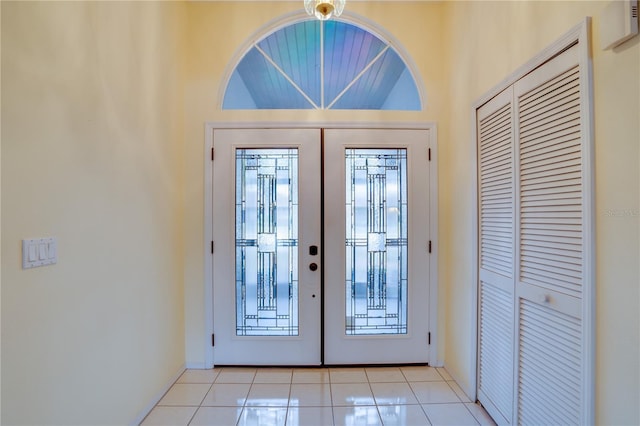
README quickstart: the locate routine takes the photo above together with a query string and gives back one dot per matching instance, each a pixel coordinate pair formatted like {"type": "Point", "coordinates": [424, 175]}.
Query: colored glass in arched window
{"type": "Point", "coordinates": [322, 65]}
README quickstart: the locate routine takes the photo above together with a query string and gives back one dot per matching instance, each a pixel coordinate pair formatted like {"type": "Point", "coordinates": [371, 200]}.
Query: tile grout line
{"type": "Point", "coordinates": [286, 416]}
{"type": "Point", "coordinates": [373, 396]}
{"type": "Point", "coordinates": [333, 413]}
{"type": "Point", "coordinates": [416, 397]}
{"type": "Point", "coordinates": [201, 401]}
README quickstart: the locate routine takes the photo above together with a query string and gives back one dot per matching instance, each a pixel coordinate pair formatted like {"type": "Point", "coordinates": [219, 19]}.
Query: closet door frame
{"type": "Point", "coordinates": [579, 34]}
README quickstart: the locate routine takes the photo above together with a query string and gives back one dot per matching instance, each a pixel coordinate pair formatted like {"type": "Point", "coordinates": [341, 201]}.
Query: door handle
{"type": "Point", "coordinates": [313, 266]}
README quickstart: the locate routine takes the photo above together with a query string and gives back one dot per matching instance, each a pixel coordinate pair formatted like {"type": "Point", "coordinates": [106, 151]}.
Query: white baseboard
{"type": "Point", "coordinates": [437, 363]}
{"type": "Point", "coordinates": [197, 366]}
{"type": "Point", "coordinates": [140, 417]}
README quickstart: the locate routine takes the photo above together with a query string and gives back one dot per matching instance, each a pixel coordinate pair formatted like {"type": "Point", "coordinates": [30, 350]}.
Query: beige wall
{"type": "Point", "coordinates": [487, 41]}
{"type": "Point", "coordinates": [92, 130]}
{"type": "Point", "coordinates": [95, 109]}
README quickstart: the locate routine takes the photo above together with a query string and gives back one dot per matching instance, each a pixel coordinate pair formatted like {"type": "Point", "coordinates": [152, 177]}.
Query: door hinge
{"type": "Point", "coordinates": [212, 155]}
{"type": "Point", "coordinates": [429, 154]}
{"type": "Point", "coordinates": [212, 246]}
{"type": "Point", "coordinates": [213, 340]}
{"type": "Point", "coordinates": [429, 246]}
{"type": "Point", "coordinates": [429, 338]}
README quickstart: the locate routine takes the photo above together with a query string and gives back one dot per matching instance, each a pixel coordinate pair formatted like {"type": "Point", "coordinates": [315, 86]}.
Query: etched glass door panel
{"type": "Point", "coordinates": [266, 242]}
{"type": "Point", "coordinates": [376, 241]}
{"type": "Point", "coordinates": [266, 216]}
{"type": "Point", "coordinates": [376, 187]}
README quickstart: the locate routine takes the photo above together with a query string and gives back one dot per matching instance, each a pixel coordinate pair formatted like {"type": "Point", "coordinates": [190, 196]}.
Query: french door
{"type": "Point", "coordinates": [266, 218]}
{"type": "Point", "coordinates": [272, 248]}
{"type": "Point", "coordinates": [376, 246]}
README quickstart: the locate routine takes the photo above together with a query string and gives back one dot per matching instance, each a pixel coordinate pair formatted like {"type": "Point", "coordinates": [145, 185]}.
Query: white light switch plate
{"type": "Point", "coordinates": [39, 252]}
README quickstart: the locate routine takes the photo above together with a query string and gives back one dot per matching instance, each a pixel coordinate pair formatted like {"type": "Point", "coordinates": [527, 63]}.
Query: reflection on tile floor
{"type": "Point", "coordinates": [402, 396]}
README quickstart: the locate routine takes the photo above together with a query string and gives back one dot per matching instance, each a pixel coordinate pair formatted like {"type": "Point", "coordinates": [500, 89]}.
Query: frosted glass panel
{"type": "Point", "coordinates": [376, 241]}
{"type": "Point", "coordinates": [266, 242]}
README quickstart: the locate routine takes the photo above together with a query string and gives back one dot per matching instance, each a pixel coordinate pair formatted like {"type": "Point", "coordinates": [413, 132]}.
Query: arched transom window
{"type": "Point", "coordinates": [315, 64]}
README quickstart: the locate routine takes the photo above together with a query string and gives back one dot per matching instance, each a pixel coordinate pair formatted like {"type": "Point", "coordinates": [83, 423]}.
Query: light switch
{"type": "Point", "coordinates": [42, 249]}
{"type": "Point", "coordinates": [33, 254]}
{"type": "Point", "coordinates": [52, 250]}
{"type": "Point", "coordinates": [39, 252]}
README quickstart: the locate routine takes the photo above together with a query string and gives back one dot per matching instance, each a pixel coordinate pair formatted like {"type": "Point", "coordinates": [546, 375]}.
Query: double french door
{"type": "Point", "coordinates": [309, 270]}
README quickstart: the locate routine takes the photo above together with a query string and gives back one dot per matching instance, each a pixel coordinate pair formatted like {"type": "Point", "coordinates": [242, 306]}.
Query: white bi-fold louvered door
{"type": "Point", "coordinates": [534, 248]}
{"type": "Point", "coordinates": [551, 227]}
{"type": "Point", "coordinates": [496, 291]}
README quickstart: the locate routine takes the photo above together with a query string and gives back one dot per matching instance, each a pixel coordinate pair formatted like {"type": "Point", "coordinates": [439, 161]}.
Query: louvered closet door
{"type": "Point", "coordinates": [497, 269]}
{"type": "Point", "coordinates": [550, 228]}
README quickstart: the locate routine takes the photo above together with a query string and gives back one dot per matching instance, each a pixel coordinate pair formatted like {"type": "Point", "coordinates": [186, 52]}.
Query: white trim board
{"type": "Point", "coordinates": [209, 127]}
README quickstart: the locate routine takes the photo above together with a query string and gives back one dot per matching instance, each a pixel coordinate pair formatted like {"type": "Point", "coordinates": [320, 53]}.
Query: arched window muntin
{"type": "Point", "coordinates": [404, 93]}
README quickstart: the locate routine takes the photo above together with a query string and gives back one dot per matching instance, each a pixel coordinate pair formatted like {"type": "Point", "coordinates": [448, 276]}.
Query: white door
{"type": "Point", "coordinates": [376, 191]}
{"type": "Point", "coordinates": [266, 223]}
{"type": "Point", "coordinates": [496, 195]}
{"type": "Point", "coordinates": [553, 222]}
{"type": "Point", "coordinates": [268, 256]}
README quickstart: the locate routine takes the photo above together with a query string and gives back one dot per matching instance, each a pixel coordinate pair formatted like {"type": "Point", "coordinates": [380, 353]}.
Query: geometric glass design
{"type": "Point", "coordinates": [376, 241]}
{"type": "Point", "coordinates": [266, 240]}
{"type": "Point", "coordinates": [314, 64]}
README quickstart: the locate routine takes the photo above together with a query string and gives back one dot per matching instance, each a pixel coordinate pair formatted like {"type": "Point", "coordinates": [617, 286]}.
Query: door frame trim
{"type": "Point", "coordinates": [434, 358]}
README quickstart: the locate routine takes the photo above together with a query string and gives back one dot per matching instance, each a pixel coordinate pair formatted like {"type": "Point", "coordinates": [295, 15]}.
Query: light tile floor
{"type": "Point", "coordinates": [400, 396]}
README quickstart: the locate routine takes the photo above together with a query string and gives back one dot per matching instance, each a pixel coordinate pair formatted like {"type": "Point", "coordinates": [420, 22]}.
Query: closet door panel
{"type": "Point", "coordinates": [496, 256]}
{"type": "Point", "coordinates": [495, 376]}
{"type": "Point", "coordinates": [550, 176]}
{"type": "Point", "coordinates": [549, 375]}
{"type": "Point", "coordinates": [550, 226]}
